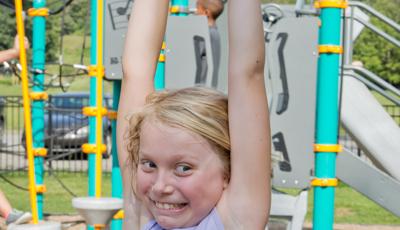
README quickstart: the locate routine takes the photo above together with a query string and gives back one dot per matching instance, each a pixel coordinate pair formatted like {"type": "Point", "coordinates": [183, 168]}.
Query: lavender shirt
{"type": "Point", "coordinates": [210, 222]}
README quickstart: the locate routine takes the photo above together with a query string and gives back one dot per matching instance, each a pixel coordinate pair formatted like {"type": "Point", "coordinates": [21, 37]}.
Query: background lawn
{"type": "Point", "coordinates": [351, 207]}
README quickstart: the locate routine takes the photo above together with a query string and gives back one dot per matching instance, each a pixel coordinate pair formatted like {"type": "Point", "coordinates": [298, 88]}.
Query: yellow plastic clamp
{"type": "Point", "coordinates": [330, 4]}
{"type": "Point", "coordinates": [178, 9]}
{"type": "Point", "coordinates": [112, 115]}
{"type": "Point", "coordinates": [94, 69]}
{"type": "Point", "coordinates": [43, 12]}
{"type": "Point", "coordinates": [161, 58]}
{"type": "Point", "coordinates": [99, 226]}
{"type": "Point", "coordinates": [327, 148]}
{"type": "Point", "coordinates": [36, 96]}
{"type": "Point", "coordinates": [330, 49]}
{"type": "Point", "coordinates": [40, 152]}
{"type": "Point", "coordinates": [92, 148]}
{"type": "Point", "coordinates": [324, 182]}
{"type": "Point", "coordinates": [93, 111]}
{"type": "Point", "coordinates": [40, 188]}
{"type": "Point", "coordinates": [119, 215]}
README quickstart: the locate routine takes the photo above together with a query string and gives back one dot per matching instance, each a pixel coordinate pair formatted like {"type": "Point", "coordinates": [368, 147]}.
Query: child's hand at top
{"type": "Point", "coordinates": [6, 55]}
{"type": "Point", "coordinates": [16, 44]}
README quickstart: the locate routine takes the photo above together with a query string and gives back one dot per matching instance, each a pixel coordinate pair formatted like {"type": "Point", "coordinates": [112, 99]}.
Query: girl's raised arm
{"type": "Point", "coordinates": [142, 48]}
{"type": "Point", "coordinates": [248, 194]}
{"type": "Point", "coordinates": [6, 55]}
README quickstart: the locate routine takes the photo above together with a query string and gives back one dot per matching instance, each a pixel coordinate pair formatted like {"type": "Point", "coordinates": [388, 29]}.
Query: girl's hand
{"type": "Point", "coordinates": [16, 44]}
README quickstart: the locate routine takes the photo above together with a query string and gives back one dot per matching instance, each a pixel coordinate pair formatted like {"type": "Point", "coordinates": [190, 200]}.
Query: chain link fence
{"type": "Point", "coordinates": [66, 129]}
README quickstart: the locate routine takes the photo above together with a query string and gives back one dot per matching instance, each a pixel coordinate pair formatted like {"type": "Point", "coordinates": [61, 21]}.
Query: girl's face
{"type": "Point", "coordinates": [179, 177]}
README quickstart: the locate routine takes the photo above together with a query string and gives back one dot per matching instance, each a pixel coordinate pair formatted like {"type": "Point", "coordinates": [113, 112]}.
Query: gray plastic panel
{"type": "Point", "coordinates": [180, 64]}
{"type": "Point", "coordinates": [291, 71]}
{"type": "Point", "coordinates": [116, 23]}
{"type": "Point", "coordinates": [368, 180]}
{"type": "Point", "coordinates": [222, 24]}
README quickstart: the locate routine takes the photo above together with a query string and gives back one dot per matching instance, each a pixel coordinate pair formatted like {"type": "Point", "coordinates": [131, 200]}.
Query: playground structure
{"type": "Point", "coordinates": [291, 78]}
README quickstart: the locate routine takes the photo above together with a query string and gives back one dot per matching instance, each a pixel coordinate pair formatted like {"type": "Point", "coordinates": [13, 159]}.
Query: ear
{"type": "Point", "coordinates": [208, 13]}
{"type": "Point", "coordinates": [226, 182]}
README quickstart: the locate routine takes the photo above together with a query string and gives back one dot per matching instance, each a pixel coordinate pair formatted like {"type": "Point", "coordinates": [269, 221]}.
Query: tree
{"type": "Point", "coordinates": [74, 19]}
{"type": "Point", "coordinates": [377, 54]}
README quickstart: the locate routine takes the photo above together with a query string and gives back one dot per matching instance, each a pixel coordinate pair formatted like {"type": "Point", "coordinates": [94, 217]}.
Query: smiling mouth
{"type": "Point", "coordinates": [169, 206]}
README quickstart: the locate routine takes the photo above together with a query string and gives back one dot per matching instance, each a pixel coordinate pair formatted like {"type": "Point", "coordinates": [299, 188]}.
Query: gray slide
{"type": "Point", "coordinates": [371, 126]}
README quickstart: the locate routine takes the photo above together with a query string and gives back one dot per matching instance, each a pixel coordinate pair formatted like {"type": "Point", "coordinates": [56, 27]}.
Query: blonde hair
{"type": "Point", "coordinates": [197, 109]}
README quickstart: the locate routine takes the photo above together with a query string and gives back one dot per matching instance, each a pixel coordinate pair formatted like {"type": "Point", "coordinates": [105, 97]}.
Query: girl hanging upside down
{"type": "Point", "coordinates": [190, 159]}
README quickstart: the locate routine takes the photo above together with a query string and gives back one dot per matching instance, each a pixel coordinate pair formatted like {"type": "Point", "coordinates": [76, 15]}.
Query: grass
{"type": "Point", "coordinates": [56, 199]}
{"type": "Point", "coordinates": [351, 207]}
{"type": "Point", "coordinates": [72, 53]}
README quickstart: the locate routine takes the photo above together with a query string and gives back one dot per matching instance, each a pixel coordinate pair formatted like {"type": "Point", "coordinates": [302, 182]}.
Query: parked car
{"type": "Point", "coordinates": [66, 128]}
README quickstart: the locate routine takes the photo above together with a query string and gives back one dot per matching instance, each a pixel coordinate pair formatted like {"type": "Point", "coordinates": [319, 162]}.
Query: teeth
{"type": "Point", "coordinates": [167, 206]}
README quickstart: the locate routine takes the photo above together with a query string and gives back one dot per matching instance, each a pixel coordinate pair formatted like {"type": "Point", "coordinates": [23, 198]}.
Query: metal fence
{"type": "Point", "coordinates": [66, 129]}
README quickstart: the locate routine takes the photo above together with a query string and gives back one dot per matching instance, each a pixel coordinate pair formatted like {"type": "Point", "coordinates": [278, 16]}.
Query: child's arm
{"type": "Point", "coordinates": [142, 48]}
{"type": "Point", "coordinates": [12, 53]}
{"type": "Point", "coordinates": [248, 194]}
{"type": "Point", "coordinates": [9, 54]}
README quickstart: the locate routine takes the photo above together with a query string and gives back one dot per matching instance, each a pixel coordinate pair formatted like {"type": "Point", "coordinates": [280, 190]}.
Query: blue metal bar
{"type": "Point", "coordinates": [116, 178]}
{"type": "Point", "coordinates": [327, 117]}
{"type": "Point", "coordinates": [38, 62]}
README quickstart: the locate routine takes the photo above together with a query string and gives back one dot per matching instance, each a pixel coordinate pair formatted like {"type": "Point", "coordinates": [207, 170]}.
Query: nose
{"type": "Point", "coordinates": [161, 185]}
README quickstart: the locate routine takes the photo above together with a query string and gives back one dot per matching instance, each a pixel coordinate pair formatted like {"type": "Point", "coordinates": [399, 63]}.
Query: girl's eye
{"type": "Point", "coordinates": [147, 166]}
{"type": "Point", "coordinates": [183, 170]}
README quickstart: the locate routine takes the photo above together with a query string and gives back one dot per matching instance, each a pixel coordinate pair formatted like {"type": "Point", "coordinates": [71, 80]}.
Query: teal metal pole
{"type": "Point", "coordinates": [116, 178]}
{"type": "Point", "coordinates": [38, 62]}
{"type": "Point", "coordinates": [92, 102]}
{"type": "Point", "coordinates": [159, 78]}
{"type": "Point", "coordinates": [92, 98]}
{"type": "Point", "coordinates": [183, 4]}
{"type": "Point", "coordinates": [327, 116]}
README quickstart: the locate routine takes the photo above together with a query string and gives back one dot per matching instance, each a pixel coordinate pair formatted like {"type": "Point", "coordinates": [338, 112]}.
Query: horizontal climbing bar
{"type": "Point", "coordinates": [331, 4]}
{"type": "Point", "coordinates": [92, 148]}
{"type": "Point", "coordinates": [178, 9]}
{"type": "Point", "coordinates": [324, 182]}
{"type": "Point", "coordinates": [42, 12]}
{"type": "Point", "coordinates": [94, 70]}
{"type": "Point", "coordinates": [38, 96]}
{"type": "Point", "coordinates": [93, 111]}
{"type": "Point", "coordinates": [335, 148]}
{"type": "Point", "coordinates": [330, 49]}
{"type": "Point", "coordinates": [161, 58]}
{"type": "Point", "coordinates": [112, 115]}
{"type": "Point", "coordinates": [39, 152]}
{"type": "Point", "coordinates": [119, 215]}
{"type": "Point", "coordinates": [40, 188]}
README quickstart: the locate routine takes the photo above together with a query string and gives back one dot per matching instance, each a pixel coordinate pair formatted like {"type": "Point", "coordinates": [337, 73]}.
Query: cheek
{"type": "Point", "coordinates": [207, 186]}
{"type": "Point", "coordinates": [143, 182]}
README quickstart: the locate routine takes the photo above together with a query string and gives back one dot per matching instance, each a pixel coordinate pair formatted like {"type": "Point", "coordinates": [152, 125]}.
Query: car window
{"type": "Point", "coordinates": [77, 102]}
{"type": "Point", "coordinates": [70, 102]}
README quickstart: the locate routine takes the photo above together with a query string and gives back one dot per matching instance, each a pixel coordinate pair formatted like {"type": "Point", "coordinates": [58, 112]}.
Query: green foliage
{"type": "Point", "coordinates": [74, 18]}
{"type": "Point", "coordinates": [377, 54]}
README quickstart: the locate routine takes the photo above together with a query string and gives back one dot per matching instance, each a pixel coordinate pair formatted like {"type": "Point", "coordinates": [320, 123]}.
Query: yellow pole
{"type": "Point", "coordinates": [99, 96]}
{"type": "Point", "coordinates": [27, 109]}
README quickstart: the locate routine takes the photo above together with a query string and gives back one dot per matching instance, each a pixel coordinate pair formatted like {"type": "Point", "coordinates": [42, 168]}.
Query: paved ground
{"type": "Point", "coordinates": [77, 223]}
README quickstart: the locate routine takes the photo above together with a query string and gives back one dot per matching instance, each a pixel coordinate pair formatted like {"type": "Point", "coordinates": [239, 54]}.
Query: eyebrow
{"type": "Point", "coordinates": [176, 156]}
